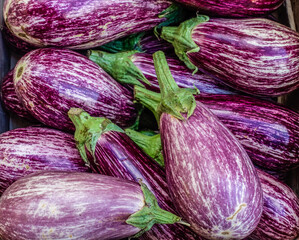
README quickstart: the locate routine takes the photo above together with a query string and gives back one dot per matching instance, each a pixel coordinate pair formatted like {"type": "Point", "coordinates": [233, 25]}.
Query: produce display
{"type": "Point", "coordinates": [151, 120]}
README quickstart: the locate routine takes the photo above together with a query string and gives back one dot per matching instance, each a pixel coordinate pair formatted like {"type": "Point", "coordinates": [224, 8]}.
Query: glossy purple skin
{"type": "Point", "coordinates": [27, 150]}
{"type": "Point", "coordinates": [17, 44]}
{"type": "Point", "coordinates": [51, 81]}
{"type": "Point", "coordinates": [236, 8]}
{"type": "Point", "coordinates": [280, 218]}
{"type": "Point", "coordinates": [118, 156]}
{"type": "Point", "coordinates": [80, 24]}
{"type": "Point", "coordinates": [212, 181]}
{"type": "Point", "coordinates": [268, 132]}
{"type": "Point", "coordinates": [63, 205]}
{"type": "Point", "coordinates": [181, 74]}
{"type": "Point", "coordinates": [257, 56]}
{"type": "Point", "coordinates": [10, 100]}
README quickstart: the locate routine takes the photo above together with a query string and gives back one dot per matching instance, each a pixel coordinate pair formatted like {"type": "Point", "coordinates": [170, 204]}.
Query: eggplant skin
{"type": "Point", "coordinates": [211, 179]}
{"type": "Point", "coordinates": [27, 150]}
{"type": "Point", "coordinates": [257, 56]}
{"type": "Point", "coordinates": [118, 156]}
{"type": "Point", "coordinates": [80, 24]}
{"type": "Point", "coordinates": [269, 132]}
{"type": "Point", "coordinates": [64, 205]}
{"type": "Point", "coordinates": [10, 99]}
{"type": "Point", "coordinates": [234, 8]}
{"type": "Point", "coordinates": [280, 218]}
{"type": "Point", "coordinates": [51, 81]}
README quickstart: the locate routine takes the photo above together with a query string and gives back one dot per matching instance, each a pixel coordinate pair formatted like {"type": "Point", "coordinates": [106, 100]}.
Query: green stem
{"type": "Point", "coordinates": [150, 214]}
{"type": "Point", "coordinates": [119, 65]}
{"type": "Point", "coordinates": [149, 99]}
{"type": "Point", "coordinates": [88, 130]}
{"type": "Point", "coordinates": [181, 39]}
{"type": "Point", "coordinates": [151, 145]}
{"type": "Point", "coordinates": [174, 100]}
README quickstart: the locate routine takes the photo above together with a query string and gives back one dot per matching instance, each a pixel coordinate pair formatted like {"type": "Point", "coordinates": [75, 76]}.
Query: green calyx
{"type": "Point", "coordinates": [131, 42]}
{"type": "Point", "coordinates": [151, 145]}
{"type": "Point", "coordinates": [88, 130]}
{"type": "Point", "coordinates": [174, 100]}
{"type": "Point", "coordinates": [151, 214]}
{"type": "Point", "coordinates": [119, 65]}
{"type": "Point", "coordinates": [181, 39]}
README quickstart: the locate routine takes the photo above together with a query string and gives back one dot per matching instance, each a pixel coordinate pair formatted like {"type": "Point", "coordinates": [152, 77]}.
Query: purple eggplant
{"type": "Point", "coordinates": [235, 8]}
{"type": "Point", "coordinates": [63, 205]}
{"type": "Point", "coordinates": [85, 24]}
{"type": "Point", "coordinates": [280, 218]}
{"type": "Point", "coordinates": [108, 150]}
{"type": "Point", "coordinates": [51, 81]}
{"type": "Point", "coordinates": [137, 68]}
{"type": "Point", "coordinates": [10, 100]}
{"type": "Point", "coordinates": [211, 179]}
{"type": "Point", "coordinates": [257, 56]}
{"type": "Point", "coordinates": [27, 150]}
{"type": "Point", "coordinates": [268, 132]}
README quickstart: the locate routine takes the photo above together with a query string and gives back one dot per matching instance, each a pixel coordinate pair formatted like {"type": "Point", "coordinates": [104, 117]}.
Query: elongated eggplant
{"type": "Point", "coordinates": [27, 150]}
{"type": "Point", "coordinates": [10, 100]}
{"type": "Point", "coordinates": [108, 150]}
{"type": "Point", "coordinates": [63, 205]}
{"type": "Point", "coordinates": [280, 218]}
{"type": "Point", "coordinates": [235, 8]}
{"type": "Point", "coordinates": [268, 132]}
{"type": "Point", "coordinates": [50, 81]}
{"type": "Point", "coordinates": [137, 68]}
{"type": "Point", "coordinates": [212, 180]}
{"type": "Point", "coordinates": [257, 56]}
{"type": "Point", "coordinates": [85, 24]}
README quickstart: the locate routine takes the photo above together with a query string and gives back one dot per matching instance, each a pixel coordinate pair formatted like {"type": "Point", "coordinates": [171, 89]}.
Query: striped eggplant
{"type": "Point", "coordinates": [51, 81]}
{"type": "Point", "coordinates": [108, 150]}
{"type": "Point", "coordinates": [27, 150]}
{"type": "Point", "coordinates": [211, 179]}
{"type": "Point", "coordinates": [234, 8]}
{"type": "Point", "coordinates": [63, 205]}
{"type": "Point", "coordinates": [256, 55]}
{"type": "Point", "coordinates": [268, 132]}
{"type": "Point", "coordinates": [280, 218]}
{"type": "Point", "coordinates": [87, 23]}
{"type": "Point", "coordinates": [10, 100]}
{"type": "Point", "coordinates": [16, 44]}
{"type": "Point", "coordinates": [137, 68]}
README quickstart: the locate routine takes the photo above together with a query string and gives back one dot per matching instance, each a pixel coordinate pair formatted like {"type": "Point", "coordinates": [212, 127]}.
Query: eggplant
{"type": "Point", "coordinates": [50, 81]}
{"type": "Point", "coordinates": [256, 55]}
{"type": "Point", "coordinates": [85, 24]}
{"type": "Point", "coordinates": [280, 218]}
{"type": "Point", "coordinates": [234, 8]}
{"type": "Point", "coordinates": [27, 150]}
{"type": "Point", "coordinates": [211, 179]}
{"type": "Point", "coordinates": [137, 68]}
{"type": "Point", "coordinates": [268, 131]}
{"type": "Point", "coordinates": [10, 100]}
{"type": "Point", "coordinates": [108, 150]}
{"type": "Point", "coordinates": [63, 205]}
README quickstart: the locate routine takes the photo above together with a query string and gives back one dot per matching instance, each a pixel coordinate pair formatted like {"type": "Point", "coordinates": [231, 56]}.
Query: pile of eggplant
{"type": "Point", "coordinates": [153, 119]}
